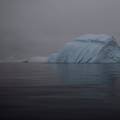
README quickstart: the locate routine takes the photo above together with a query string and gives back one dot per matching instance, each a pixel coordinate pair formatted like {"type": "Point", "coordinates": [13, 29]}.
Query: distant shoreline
{"type": "Point", "coordinates": [26, 60]}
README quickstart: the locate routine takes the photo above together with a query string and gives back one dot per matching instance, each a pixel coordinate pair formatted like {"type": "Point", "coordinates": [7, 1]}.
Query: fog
{"type": "Point", "coordinates": [39, 27]}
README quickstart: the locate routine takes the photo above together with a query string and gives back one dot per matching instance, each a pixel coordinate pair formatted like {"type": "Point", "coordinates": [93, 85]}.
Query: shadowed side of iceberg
{"type": "Point", "coordinates": [90, 48]}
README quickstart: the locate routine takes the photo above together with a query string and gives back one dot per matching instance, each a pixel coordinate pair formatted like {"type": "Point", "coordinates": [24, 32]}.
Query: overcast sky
{"type": "Point", "coordinates": [39, 27]}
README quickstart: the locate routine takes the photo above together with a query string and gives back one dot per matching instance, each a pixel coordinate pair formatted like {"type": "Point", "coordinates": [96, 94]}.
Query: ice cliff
{"type": "Point", "coordinates": [90, 48]}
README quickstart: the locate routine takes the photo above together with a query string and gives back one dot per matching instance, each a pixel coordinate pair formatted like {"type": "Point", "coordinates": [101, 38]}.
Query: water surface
{"type": "Point", "coordinates": [33, 90]}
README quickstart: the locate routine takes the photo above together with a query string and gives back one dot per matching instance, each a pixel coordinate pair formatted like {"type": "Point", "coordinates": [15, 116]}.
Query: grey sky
{"type": "Point", "coordinates": [39, 27]}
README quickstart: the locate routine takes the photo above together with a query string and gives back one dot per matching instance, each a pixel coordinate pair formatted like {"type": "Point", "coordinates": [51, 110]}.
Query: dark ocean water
{"type": "Point", "coordinates": [39, 91]}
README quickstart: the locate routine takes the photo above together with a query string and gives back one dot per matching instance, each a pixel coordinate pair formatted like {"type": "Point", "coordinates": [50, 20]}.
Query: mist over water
{"type": "Point", "coordinates": [36, 28]}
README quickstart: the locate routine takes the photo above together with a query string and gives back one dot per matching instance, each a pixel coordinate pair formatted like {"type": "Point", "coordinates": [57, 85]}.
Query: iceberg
{"type": "Point", "coordinates": [89, 48]}
{"type": "Point", "coordinates": [12, 59]}
{"type": "Point", "coordinates": [39, 59]}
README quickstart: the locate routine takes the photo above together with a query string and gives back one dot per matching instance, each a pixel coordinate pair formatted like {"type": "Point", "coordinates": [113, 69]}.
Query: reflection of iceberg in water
{"type": "Point", "coordinates": [86, 80]}
{"type": "Point", "coordinates": [83, 73]}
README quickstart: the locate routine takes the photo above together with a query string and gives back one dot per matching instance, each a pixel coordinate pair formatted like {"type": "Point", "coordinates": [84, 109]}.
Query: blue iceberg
{"type": "Point", "coordinates": [90, 48]}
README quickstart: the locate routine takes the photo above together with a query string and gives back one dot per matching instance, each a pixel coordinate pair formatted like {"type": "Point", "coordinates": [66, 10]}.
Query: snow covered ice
{"type": "Point", "coordinates": [89, 48]}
